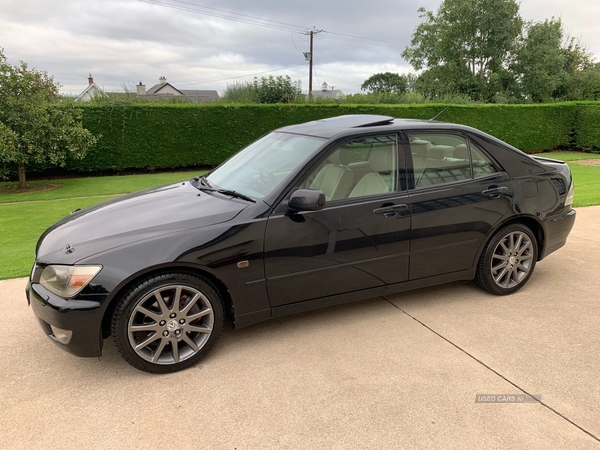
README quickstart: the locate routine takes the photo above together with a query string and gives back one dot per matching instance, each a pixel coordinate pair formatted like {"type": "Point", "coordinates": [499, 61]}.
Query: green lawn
{"type": "Point", "coordinates": [23, 223]}
{"type": "Point", "coordinates": [87, 187]}
{"type": "Point", "coordinates": [24, 217]}
{"type": "Point", "coordinates": [587, 178]}
{"type": "Point", "coordinates": [569, 156]}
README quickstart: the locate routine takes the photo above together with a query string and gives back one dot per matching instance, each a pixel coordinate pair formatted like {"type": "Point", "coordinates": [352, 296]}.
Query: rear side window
{"type": "Point", "coordinates": [482, 165]}
{"type": "Point", "coordinates": [445, 158]}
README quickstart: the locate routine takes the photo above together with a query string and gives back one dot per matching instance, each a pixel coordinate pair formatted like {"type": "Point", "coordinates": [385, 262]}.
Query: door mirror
{"type": "Point", "coordinates": [307, 200]}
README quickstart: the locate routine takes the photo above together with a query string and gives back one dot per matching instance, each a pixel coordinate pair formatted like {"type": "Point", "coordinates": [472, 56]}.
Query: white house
{"type": "Point", "coordinates": [325, 92]}
{"type": "Point", "coordinates": [91, 91]}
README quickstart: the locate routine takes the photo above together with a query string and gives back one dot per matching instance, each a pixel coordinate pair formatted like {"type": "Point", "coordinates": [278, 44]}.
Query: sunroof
{"type": "Point", "coordinates": [358, 120]}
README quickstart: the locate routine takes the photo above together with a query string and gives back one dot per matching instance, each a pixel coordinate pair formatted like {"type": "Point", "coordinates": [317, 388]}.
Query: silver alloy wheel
{"type": "Point", "coordinates": [512, 259]}
{"type": "Point", "coordinates": [170, 324]}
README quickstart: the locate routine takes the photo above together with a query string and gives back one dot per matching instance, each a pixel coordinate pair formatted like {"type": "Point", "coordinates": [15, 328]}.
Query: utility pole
{"type": "Point", "coordinates": [312, 33]}
{"type": "Point", "coordinates": [309, 56]}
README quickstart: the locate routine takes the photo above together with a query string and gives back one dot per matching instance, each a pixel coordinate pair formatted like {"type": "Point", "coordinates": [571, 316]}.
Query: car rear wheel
{"type": "Point", "coordinates": [167, 322]}
{"type": "Point", "coordinates": [508, 260]}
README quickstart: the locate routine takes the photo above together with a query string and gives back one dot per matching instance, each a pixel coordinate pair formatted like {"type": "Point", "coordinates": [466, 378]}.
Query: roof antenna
{"type": "Point", "coordinates": [440, 113]}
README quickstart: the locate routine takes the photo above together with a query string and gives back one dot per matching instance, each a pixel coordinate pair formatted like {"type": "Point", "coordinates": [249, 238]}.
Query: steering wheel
{"type": "Point", "coordinates": [266, 175]}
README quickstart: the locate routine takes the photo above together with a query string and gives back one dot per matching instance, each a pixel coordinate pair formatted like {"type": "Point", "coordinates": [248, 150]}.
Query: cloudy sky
{"type": "Point", "coordinates": [123, 42]}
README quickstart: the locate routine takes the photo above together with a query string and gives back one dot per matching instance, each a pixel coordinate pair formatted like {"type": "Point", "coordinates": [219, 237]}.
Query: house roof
{"type": "Point", "coordinates": [91, 90]}
{"type": "Point", "coordinates": [158, 87]}
{"type": "Point", "coordinates": [196, 95]}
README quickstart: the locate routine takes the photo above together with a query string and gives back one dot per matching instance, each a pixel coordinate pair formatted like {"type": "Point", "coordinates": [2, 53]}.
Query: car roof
{"type": "Point", "coordinates": [334, 126]}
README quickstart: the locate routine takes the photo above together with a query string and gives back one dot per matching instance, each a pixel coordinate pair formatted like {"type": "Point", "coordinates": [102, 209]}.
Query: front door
{"type": "Point", "coordinates": [358, 241]}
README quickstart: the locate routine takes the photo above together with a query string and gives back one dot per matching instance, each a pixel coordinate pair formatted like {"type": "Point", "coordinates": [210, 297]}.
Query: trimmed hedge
{"type": "Point", "coordinates": [587, 127]}
{"type": "Point", "coordinates": [147, 136]}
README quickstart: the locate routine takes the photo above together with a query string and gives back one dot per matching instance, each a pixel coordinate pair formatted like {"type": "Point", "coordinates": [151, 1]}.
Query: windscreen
{"type": "Point", "coordinates": [262, 166]}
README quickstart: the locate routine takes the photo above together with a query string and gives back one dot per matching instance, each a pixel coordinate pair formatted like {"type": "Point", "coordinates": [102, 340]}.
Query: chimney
{"type": "Point", "coordinates": [162, 80]}
{"type": "Point", "coordinates": [324, 87]}
{"type": "Point", "coordinates": [90, 79]}
{"type": "Point", "coordinates": [141, 89]}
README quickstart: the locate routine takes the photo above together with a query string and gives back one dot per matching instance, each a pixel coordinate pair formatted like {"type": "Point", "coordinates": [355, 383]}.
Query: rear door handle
{"type": "Point", "coordinates": [495, 192]}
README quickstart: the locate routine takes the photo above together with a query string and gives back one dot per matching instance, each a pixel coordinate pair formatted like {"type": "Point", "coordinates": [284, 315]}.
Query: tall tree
{"type": "Point", "coordinates": [549, 67]}
{"type": "Point", "coordinates": [540, 61]}
{"type": "Point", "coordinates": [33, 128]}
{"type": "Point", "coordinates": [387, 82]}
{"type": "Point", "coordinates": [581, 71]}
{"type": "Point", "coordinates": [466, 41]}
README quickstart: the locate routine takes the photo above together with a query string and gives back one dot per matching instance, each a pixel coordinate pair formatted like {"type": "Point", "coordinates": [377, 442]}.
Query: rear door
{"type": "Point", "coordinates": [458, 193]}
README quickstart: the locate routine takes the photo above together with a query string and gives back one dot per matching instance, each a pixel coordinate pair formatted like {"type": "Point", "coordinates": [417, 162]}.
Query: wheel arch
{"type": "Point", "coordinates": [536, 227]}
{"type": "Point", "coordinates": [530, 222]}
{"type": "Point", "coordinates": [221, 288]}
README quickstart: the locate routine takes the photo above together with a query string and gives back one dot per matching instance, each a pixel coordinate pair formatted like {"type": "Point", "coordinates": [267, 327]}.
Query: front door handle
{"type": "Point", "coordinates": [495, 192]}
{"type": "Point", "coordinates": [390, 210]}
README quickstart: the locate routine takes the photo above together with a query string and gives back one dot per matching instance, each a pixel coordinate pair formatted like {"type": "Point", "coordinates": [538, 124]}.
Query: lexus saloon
{"type": "Point", "coordinates": [308, 216]}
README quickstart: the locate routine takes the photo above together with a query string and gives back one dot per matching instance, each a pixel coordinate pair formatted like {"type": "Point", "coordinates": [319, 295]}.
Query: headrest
{"type": "Point", "coordinates": [341, 156]}
{"type": "Point", "coordinates": [438, 151]}
{"type": "Point", "coordinates": [420, 147]}
{"type": "Point", "coordinates": [461, 151]}
{"type": "Point", "coordinates": [381, 159]}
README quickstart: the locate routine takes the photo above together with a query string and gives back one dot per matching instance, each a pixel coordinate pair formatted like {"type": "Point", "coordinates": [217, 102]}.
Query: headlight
{"type": "Point", "coordinates": [68, 281]}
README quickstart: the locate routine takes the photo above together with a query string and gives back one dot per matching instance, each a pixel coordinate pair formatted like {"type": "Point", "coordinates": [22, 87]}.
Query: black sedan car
{"type": "Point", "coordinates": [308, 216]}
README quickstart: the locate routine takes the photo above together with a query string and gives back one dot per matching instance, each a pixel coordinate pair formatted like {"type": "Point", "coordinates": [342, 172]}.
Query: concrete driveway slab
{"type": "Point", "coordinates": [364, 375]}
{"type": "Point", "coordinates": [544, 338]}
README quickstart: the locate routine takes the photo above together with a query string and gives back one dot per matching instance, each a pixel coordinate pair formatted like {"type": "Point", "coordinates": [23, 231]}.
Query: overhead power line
{"type": "Point", "coordinates": [266, 23]}
{"type": "Point", "coordinates": [241, 76]}
{"type": "Point", "coordinates": [196, 9]}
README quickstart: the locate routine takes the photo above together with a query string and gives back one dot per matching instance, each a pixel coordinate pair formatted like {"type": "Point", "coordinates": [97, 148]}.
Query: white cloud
{"type": "Point", "coordinates": [122, 42]}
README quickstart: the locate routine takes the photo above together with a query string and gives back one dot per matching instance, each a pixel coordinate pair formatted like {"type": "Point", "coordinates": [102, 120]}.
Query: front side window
{"type": "Point", "coordinates": [361, 167]}
{"type": "Point", "coordinates": [262, 166]}
{"type": "Point", "coordinates": [443, 158]}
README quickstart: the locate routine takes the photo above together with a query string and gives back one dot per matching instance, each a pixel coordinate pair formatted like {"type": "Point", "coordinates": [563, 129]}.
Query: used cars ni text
{"type": "Point", "coordinates": [307, 216]}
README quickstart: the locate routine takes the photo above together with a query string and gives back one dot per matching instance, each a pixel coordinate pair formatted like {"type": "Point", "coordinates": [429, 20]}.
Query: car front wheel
{"type": "Point", "coordinates": [167, 322]}
{"type": "Point", "coordinates": [508, 260]}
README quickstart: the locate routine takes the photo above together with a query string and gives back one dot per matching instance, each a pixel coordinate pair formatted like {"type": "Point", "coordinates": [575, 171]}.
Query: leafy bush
{"type": "Point", "coordinates": [266, 90]}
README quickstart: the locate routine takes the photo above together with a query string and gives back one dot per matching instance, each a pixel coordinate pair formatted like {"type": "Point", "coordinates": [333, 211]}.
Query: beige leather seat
{"type": "Point", "coordinates": [335, 179]}
{"type": "Point", "coordinates": [461, 152]}
{"type": "Point", "coordinates": [419, 149]}
{"type": "Point", "coordinates": [381, 179]}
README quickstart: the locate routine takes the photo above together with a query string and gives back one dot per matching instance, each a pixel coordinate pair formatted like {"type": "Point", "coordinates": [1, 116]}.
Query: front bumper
{"type": "Point", "coordinates": [81, 319]}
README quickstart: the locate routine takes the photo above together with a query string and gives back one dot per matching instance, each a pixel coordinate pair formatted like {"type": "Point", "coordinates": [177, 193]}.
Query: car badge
{"type": "Point", "coordinates": [69, 249]}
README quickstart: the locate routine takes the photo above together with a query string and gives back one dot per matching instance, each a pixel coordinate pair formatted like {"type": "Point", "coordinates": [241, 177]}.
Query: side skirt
{"type": "Point", "coordinates": [310, 305]}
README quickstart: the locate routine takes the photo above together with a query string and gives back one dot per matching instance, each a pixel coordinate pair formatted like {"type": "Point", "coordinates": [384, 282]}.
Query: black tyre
{"type": "Point", "coordinates": [508, 260]}
{"type": "Point", "coordinates": [167, 322]}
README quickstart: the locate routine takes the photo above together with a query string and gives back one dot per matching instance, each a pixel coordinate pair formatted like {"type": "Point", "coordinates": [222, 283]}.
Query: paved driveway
{"type": "Point", "coordinates": [395, 372]}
